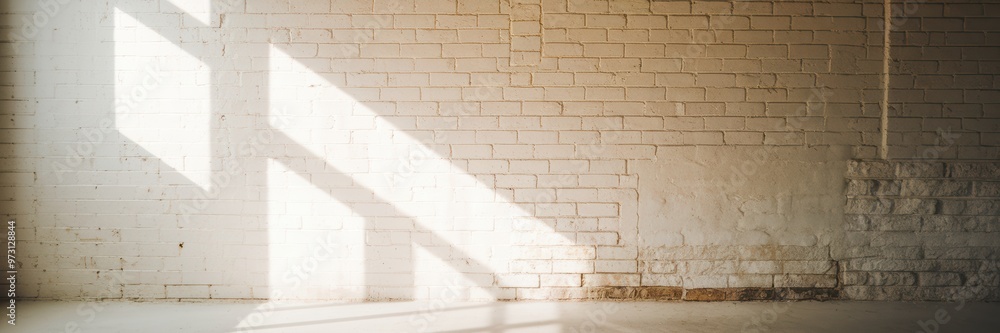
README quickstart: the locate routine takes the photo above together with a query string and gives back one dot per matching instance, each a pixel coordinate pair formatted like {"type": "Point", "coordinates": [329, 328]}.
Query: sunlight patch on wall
{"type": "Point", "coordinates": [162, 99]}
{"type": "Point", "coordinates": [449, 206]}
{"type": "Point", "coordinates": [315, 243]}
{"type": "Point", "coordinates": [197, 9]}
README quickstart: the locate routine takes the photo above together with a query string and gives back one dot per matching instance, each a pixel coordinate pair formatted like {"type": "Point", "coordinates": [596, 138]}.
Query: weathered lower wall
{"type": "Point", "coordinates": [922, 230]}
{"type": "Point", "coordinates": [729, 218]}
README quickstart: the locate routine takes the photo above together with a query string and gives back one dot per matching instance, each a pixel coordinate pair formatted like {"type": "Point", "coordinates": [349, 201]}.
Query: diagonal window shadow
{"type": "Point", "coordinates": [419, 235]}
{"type": "Point", "coordinates": [239, 206]}
{"type": "Point", "coordinates": [214, 55]}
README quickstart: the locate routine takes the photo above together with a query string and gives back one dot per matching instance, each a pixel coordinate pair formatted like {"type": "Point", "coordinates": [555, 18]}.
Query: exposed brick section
{"type": "Point", "coordinates": [750, 294]}
{"type": "Point", "coordinates": [760, 294]}
{"type": "Point", "coordinates": [711, 294]}
{"type": "Point", "coordinates": [922, 230]}
{"type": "Point", "coordinates": [704, 294]}
{"type": "Point", "coordinates": [637, 293]}
{"type": "Point", "coordinates": [802, 294]}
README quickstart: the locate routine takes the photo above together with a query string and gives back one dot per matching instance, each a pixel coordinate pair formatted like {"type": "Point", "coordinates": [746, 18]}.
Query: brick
{"type": "Point", "coordinates": [670, 7]}
{"type": "Point", "coordinates": [702, 138]}
{"type": "Point", "coordinates": [572, 266]}
{"type": "Point", "coordinates": [752, 281]}
{"type": "Point", "coordinates": [604, 50]}
{"type": "Point", "coordinates": [704, 294]}
{"type": "Point", "coordinates": [743, 138]}
{"type": "Point", "coordinates": [808, 281]}
{"type": "Point", "coordinates": [517, 280]}
{"type": "Point", "coordinates": [187, 291]}
{"type": "Point", "coordinates": [610, 280]}
{"type": "Point", "coordinates": [687, 22]}
{"type": "Point", "coordinates": [939, 279]}
{"type": "Point", "coordinates": [561, 280]}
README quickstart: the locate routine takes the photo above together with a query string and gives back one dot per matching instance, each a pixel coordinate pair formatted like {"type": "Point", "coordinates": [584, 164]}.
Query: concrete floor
{"type": "Point", "coordinates": [512, 317]}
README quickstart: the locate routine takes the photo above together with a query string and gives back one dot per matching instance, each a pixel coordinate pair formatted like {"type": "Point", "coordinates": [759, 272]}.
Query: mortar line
{"type": "Point", "coordinates": [884, 128]}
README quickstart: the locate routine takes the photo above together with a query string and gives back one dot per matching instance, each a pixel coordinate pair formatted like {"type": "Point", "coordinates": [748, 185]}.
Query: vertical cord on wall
{"type": "Point", "coordinates": [886, 28]}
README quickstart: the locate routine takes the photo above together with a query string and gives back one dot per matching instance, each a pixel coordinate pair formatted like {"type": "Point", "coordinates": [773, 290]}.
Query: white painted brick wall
{"type": "Point", "coordinates": [385, 149]}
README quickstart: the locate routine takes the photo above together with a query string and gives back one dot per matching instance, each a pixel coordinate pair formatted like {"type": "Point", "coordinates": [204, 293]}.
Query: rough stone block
{"type": "Point", "coordinates": [810, 267]}
{"type": "Point", "coordinates": [856, 222]}
{"type": "Point", "coordinates": [869, 169]}
{"type": "Point", "coordinates": [858, 187]}
{"type": "Point", "coordinates": [751, 281]}
{"type": "Point", "coordinates": [661, 293]}
{"type": "Point", "coordinates": [705, 294]}
{"type": "Point", "coordinates": [935, 188]}
{"type": "Point", "coordinates": [914, 206]}
{"type": "Point", "coordinates": [891, 279]}
{"type": "Point", "coordinates": [919, 170]}
{"type": "Point", "coordinates": [868, 206]}
{"type": "Point", "coordinates": [987, 189]}
{"type": "Point", "coordinates": [869, 187]}
{"type": "Point", "coordinates": [635, 293]}
{"type": "Point", "coordinates": [977, 207]}
{"type": "Point", "coordinates": [805, 281]}
{"type": "Point", "coordinates": [974, 170]}
{"type": "Point", "coordinates": [750, 294]}
{"type": "Point", "coordinates": [895, 222]}
{"type": "Point", "coordinates": [817, 294]}
{"type": "Point", "coordinates": [936, 279]}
